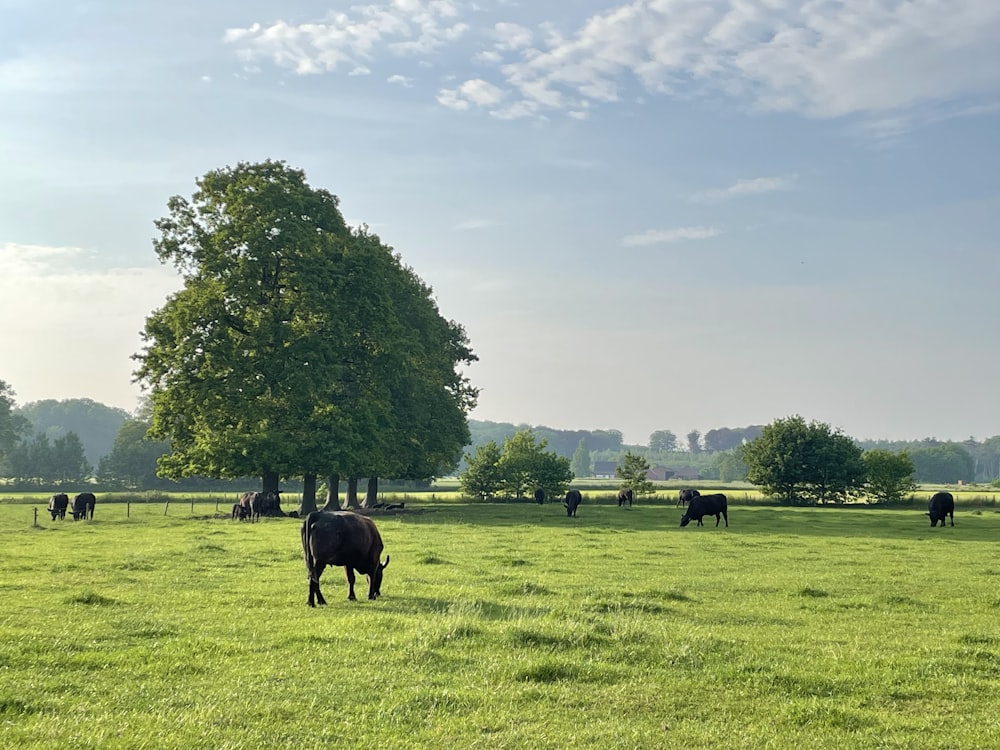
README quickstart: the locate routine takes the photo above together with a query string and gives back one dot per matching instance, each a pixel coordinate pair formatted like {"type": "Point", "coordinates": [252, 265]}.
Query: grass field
{"type": "Point", "coordinates": [504, 626]}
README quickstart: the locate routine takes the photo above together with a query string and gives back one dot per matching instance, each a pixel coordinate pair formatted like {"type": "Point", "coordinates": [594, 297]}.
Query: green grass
{"type": "Point", "coordinates": [504, 626]}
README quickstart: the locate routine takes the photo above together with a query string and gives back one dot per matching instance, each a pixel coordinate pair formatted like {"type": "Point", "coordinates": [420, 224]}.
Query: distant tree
{"type": "Point", "coordinates": [632, 472]}
{"type": "Point", "coordinates": [693, 442]}
{"type": "Point", "coordinates": [580, 463]}
{"type": "Point", "coordinates": [722, 439]}
{"type": "Point", "coordinates": [69, 462]}
{"type": "Point", "coordinates": [95, 424]}
{"type": "Point", "coordinates": [662, 441]}
{"type": "Point", "coordinates": [600, 440]}
{"type": "Point", "coordinates": [132, 460]}
{"type": "Point", "coordinates": [482, 478]}
{"type": "Point", "coordinates": [888, 475]}
{"type": "Point", "coordinates": [13, 426]}
{"type": "Point", "coordinates": [942, 463]}
{"type": "Point", "coordinates": [526, 464]}
{"type": "Point", "coordinates": [729, 466]}
{"type": "Point", "coordinates": [804, 463]}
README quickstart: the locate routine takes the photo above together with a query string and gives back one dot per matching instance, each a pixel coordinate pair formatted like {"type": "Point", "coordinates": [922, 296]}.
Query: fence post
{"type": "Point", "coordinates": [165, 506]}
{"type": "Point", "coordinates": [128, 509]}
{"type": "Point", "coordinates": [192, 505]}
{"type": "Point", "coordinates": [35, 522]}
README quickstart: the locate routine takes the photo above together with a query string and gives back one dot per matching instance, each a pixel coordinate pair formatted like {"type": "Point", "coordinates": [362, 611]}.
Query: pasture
{"type": "Point", "coordinates": [505, 626]}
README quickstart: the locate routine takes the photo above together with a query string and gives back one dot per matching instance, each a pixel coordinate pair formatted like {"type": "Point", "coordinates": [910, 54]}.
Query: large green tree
{"type": "Point", "coordinates": [297, 347]}
{"type": "Point", "coordinates": [662, 441]}
{"type": "Point", "coordinates": [482, 477]}
{"type": "Point", "coordinates": [942, 463]}
{"type": "Point", "coordinates": [888, 475]}
{"type": "Point", "coordinates": [580, 463]}
{"type": "Point", "coordinates": [804, 463]}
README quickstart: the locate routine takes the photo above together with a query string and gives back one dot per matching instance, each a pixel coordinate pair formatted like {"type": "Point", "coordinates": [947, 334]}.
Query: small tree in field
{"type": "Point", "coordinates": [482, 478]}
{"type": "Point", "coordinates": [632, 472]}
{"type": "Point", "coordinates": [888, 476]}
{"type": "Point", "coordinates": [580, 463]}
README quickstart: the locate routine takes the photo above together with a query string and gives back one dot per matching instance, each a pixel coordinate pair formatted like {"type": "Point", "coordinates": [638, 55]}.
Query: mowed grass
{"type": "Point", "coordinates": [505, 626]}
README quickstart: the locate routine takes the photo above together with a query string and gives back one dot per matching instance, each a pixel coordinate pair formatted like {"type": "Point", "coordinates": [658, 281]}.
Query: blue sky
{"type": "Point", "coordinates": [674, 214]}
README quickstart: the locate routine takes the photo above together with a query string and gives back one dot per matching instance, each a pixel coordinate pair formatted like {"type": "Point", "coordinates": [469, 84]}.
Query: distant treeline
{"type": "Point", "coordinates": [74, 436]}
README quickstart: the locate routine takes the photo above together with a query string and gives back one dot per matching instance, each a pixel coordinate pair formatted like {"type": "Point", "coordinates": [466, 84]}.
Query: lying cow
{"type": "Point", "coordinates": [942, 504]}
{"type": "Point", "coordinates": [58, 505]}
{"type": "Point", "coordinates": [706, 505]}
{"type": "Point", "coordinates": [342, 538]}
{"type": "Point", "coordinates": [684, 497]}
{"type": "Point", "coordinates": [572, 502]}
{"type": "Point", "coordinates": [625, 496]}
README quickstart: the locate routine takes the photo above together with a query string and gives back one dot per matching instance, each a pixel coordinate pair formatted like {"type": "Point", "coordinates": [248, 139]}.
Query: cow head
{"type": "Point", "coordinates": [685, 520]}
{"type": "Point", "coordinates": [375, 586]}
{"type": "Point", "coordinates": [935, 517]}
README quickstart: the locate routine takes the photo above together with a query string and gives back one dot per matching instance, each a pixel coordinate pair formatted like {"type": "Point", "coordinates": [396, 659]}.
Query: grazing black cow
{"type": "Point", "coordinates": [625, 496]}
{"type": "Point", "coordinates": [706, 505]}
{"type": "Point", "coordinates": [684, 497]}
{"type": "Point", "coordinates": [342, 538]}
{"type": "Point", "coordinates": [58, 505]}
{"type": "Point", "coordinates": [572, 502]}
{"type": "Point", "coordinates": [79, 508]}
{"type": "Point", "coordinates": [539, 496]}
{"type": "Point", "coordinates": [89, 503]}
{"type": "Point", "coordinates": [942, 504]}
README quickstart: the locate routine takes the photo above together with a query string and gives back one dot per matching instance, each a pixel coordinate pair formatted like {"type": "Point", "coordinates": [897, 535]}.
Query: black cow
{"type": "Point", "coordinates": [89, 503]}
{"type": "Point", "coordinates": [684, 497]}
{"type": "Point", "coordinates": [625, 496]}
{"type": "Point", "coordinates": [572, 502]}
{"type": "Point", "coordinates": [706, 505]}
{"type": "Point", "coordinates": [342, 538]}
{"type": "Point", "coordinates": [265, 504]}
{"type": "Point", "coordinates": [942, 504]}
{"type": "Point", "coordinates": [539, 496]}
{"type": "Point", "coordinates": [58, 505]}
{"type": "Point", "coordinates": [79, 508]}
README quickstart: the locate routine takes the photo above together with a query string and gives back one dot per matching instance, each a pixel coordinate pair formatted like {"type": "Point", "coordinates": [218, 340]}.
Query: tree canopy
{"type": "Point", "coordinates": [523, 465]}
{"type": "Point", "coordinates": [632, 472]}
{"type": "Point", "coordinates": [297, 345]}
{"type": "Point", "coordinates": [804, 463]}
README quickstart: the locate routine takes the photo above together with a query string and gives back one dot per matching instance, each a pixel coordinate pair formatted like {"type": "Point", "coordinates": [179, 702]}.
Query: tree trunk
{"type": "Point", "coordinates": [308, 495]}
{"type": "Point", "coordinates": [269, 483]}
{"type": "Point", "coordinates": [332, 492]}
{"type": "Point", "coordinates": [352, 493]}
{"type": "Point", "coordinates": [371, 497]}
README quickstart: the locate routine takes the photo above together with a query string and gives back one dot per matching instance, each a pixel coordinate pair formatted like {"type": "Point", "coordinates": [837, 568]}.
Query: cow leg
{"type": "Point", "coordinates": [349, 572]}
{"type": "Point", "coordinates": [726, 516]}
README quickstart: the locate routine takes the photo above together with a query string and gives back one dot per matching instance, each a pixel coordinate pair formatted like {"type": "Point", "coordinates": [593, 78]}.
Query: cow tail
{"type": "Point", "coordinates": [307, 529]}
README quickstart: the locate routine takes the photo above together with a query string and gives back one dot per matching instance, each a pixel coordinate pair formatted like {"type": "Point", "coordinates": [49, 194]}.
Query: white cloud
{"type": "Point", "coordinates": [475, 91]}
{"type": "Point", "coordinates": [823, 58]}
{"type": "Point", "coordinates": [351, 38]}
{"type": "Point", "coordinates": [667, 236]}
{"type": "Point", "coordinates": [404, 81]}
{"type": "Point", "coordinates": [753, 186]}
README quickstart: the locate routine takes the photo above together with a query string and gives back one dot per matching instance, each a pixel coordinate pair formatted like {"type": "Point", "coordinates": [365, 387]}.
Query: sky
{"type": "Point", "coordinates": [660, 214]}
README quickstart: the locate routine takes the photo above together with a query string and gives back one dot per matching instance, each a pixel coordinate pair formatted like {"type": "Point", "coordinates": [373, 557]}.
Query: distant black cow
{"type": "Point", "coordinates": [265, 504]}
{"type": "Point", "coordinates": [539, 496]}
{"type": "Point", "coordinates": [625, 496]}
{"type": "Point", "coordinates": [684, 496]}
{"type": "Point", "coordinates": [572, 502]}
{"type": "Point", "coordinates": [79, 508]}
{"type": "Point", "coordinates": [342, 538]}
{"type": "Point", "coordinates": [706, 505]}
{"type": "Point", "coordinates": [89, 504]}
{"type": "Point", "coordinates": [942, 504]}
{"type": "Point", "coordinates": [58, 505]}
